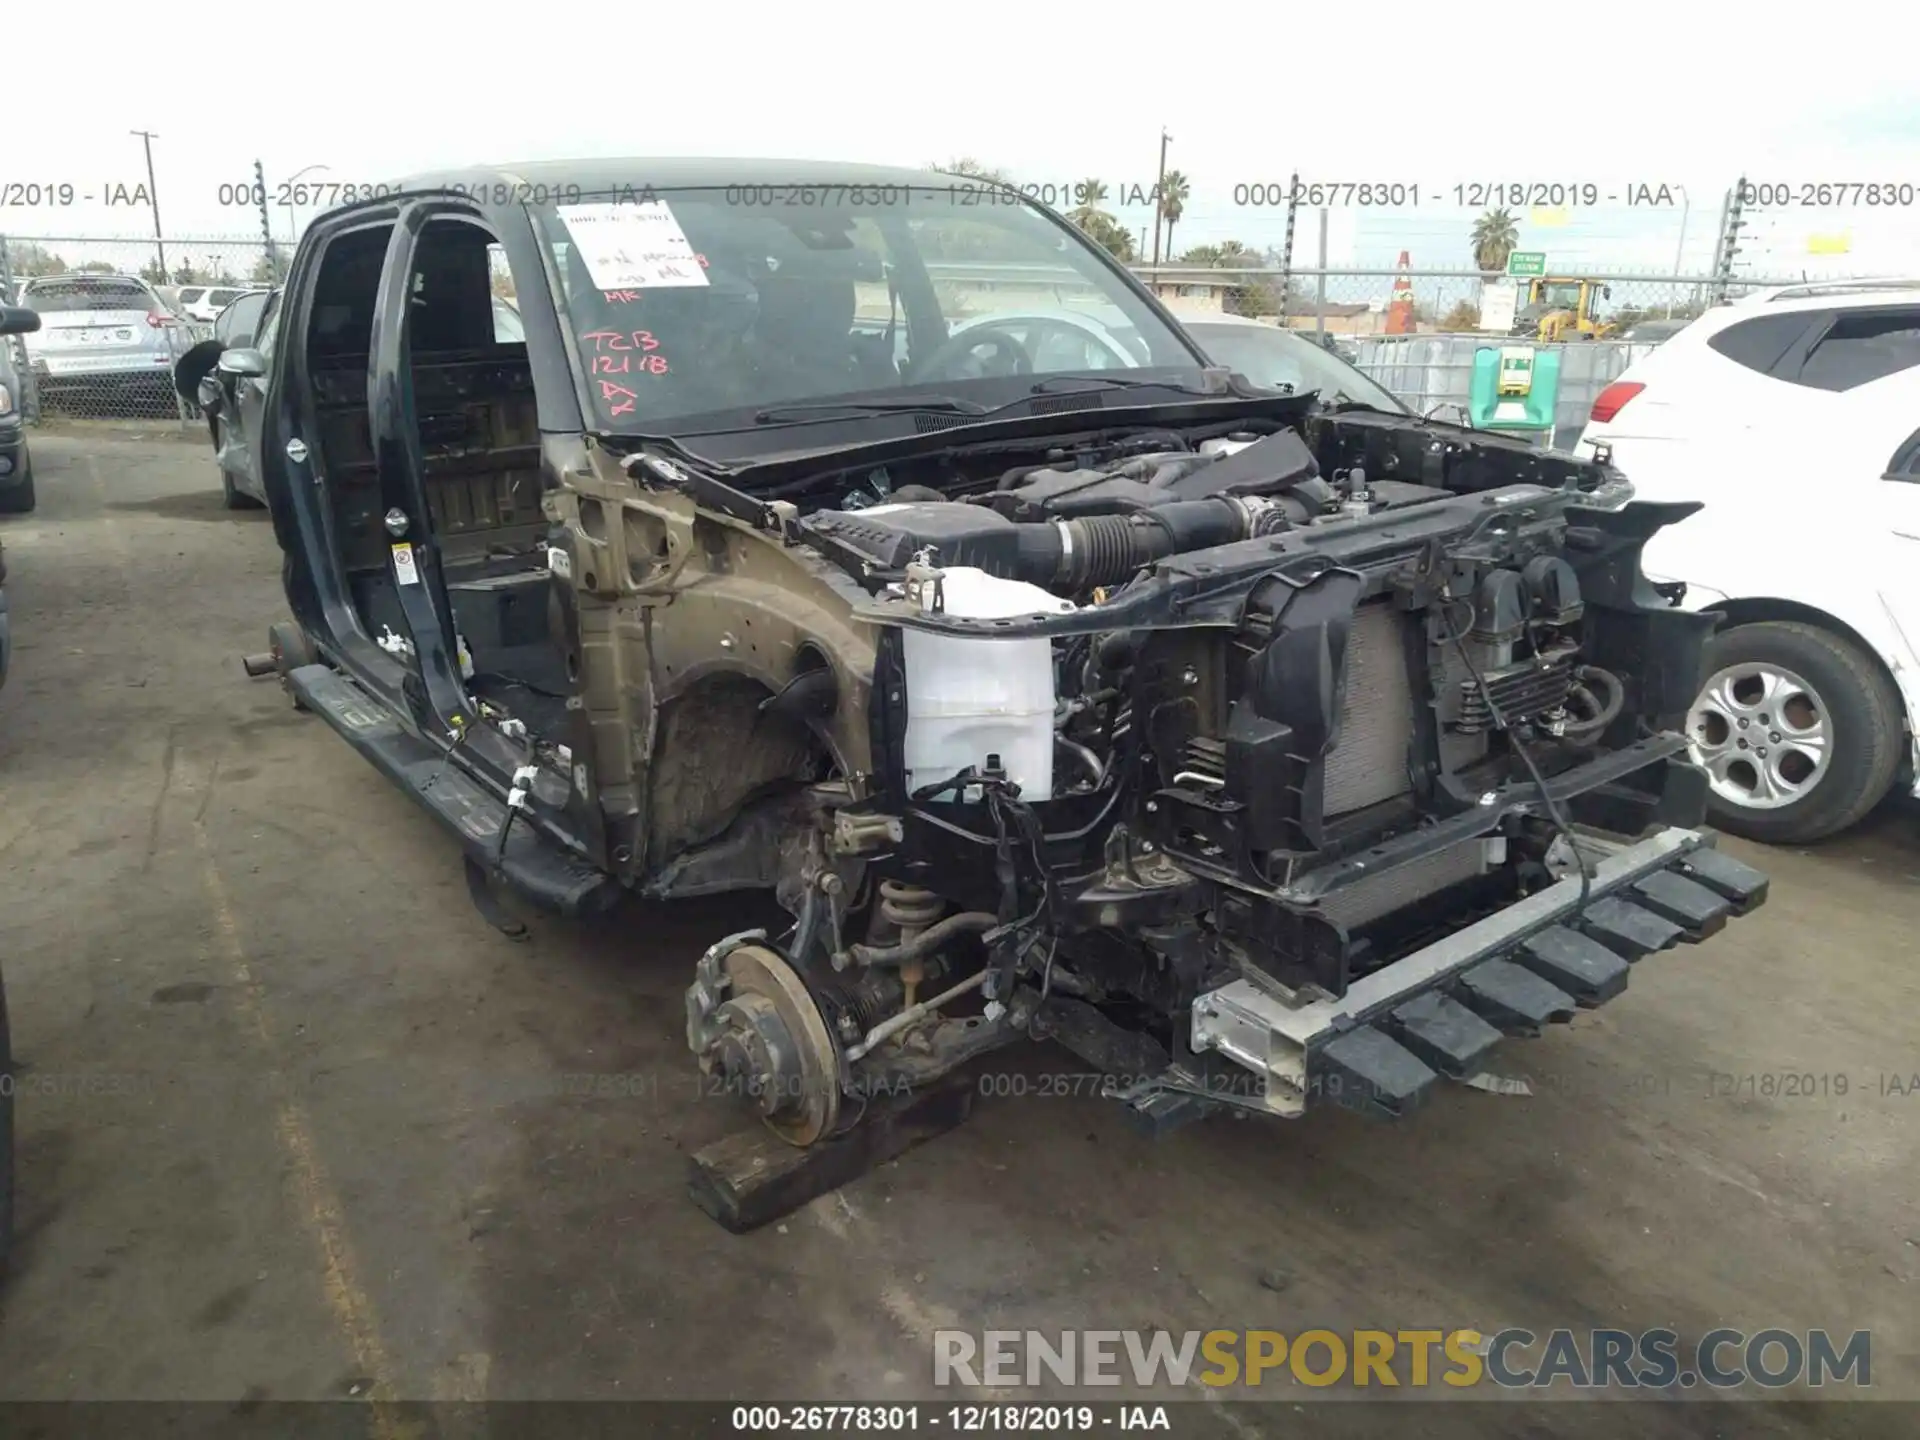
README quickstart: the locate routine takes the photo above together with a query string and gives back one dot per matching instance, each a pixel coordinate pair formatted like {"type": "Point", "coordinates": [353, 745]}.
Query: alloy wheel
{"type": "Point", "coordinates": [1763, 734]}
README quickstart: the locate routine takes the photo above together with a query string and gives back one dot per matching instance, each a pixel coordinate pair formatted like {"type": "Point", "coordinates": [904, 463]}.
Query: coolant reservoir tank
{"type": "Point", "coordinates": [970, 699]}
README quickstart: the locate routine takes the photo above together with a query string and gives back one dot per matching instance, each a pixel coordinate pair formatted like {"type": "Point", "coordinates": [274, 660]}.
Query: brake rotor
{"type": "Point", "coordinates": [775, 1032]}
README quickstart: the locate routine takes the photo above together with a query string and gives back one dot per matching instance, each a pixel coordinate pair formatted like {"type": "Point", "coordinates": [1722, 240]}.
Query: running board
{"type": "Point", "coordinates": [537, 868]}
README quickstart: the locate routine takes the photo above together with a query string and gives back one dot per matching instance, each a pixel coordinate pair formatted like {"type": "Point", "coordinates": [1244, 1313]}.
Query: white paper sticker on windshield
{"type": "Point", "coordinates": [632, 245]}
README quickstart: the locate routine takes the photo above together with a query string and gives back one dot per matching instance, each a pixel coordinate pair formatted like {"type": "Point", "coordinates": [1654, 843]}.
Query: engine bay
{"type": "Point", "coordinates": [1280, 701]}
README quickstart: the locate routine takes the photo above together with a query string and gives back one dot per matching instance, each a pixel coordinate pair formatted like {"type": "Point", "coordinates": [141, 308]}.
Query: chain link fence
{"type": "Point", "coordinates": [1358, 302]}
{"type": "Point", "coordinates": [92, 358]}
{"type": "Point", "coordinates": [117, 313]}
{"type": "Point", "coordinates": [1429, 371]}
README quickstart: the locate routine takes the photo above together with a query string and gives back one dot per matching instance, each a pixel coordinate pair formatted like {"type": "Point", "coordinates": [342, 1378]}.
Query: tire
{"type": "Point", "coordinates": [233, 497]}
{"type": "Point", "coordinates": [6, 1134]}
{"type": "Point", "coordinates": [18, 499]}
{"type": "Point", "coordinates": [1800, 731]}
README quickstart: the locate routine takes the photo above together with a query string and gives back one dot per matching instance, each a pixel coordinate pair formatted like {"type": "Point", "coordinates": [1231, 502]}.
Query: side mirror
{"type": "Point", "coordinates": [243, 364]}
{"type": "Point", "coordinates": [16, 320]}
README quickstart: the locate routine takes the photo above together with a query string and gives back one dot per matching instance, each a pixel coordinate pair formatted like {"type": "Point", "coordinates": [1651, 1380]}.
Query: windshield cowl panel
{"type": "Point", "coordinates": [690, 310]}
{"type": "Point", "coordinates": [763, 456]}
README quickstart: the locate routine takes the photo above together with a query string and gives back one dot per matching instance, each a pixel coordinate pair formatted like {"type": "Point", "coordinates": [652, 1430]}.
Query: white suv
{"type": "Point", "coordinates": [1794, 417]}
{"type": "Point", "coordinates": [205, 302]}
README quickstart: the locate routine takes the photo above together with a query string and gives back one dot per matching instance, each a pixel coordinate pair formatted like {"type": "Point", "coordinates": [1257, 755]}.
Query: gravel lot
{"type": "Point", "coordinates": [294, 1123]}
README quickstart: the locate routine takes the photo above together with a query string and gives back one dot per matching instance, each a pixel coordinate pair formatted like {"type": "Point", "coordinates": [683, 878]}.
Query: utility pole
{"type": "Point", "coordinates": [1729, 240]}
{"type": "Point", "coordinates": [1320, 304]}
{"type": "Point", "coordinates": [1159, 200]}
{"type": "Point", "coordinates": [1286, 254]}
{"type": "Point", "coordinates": [147, 137]}
{"type": "Point", "coordinates": [266, 222]}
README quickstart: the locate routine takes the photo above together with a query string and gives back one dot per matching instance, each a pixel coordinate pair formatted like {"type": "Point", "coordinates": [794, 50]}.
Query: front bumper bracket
{"type": "Point", "coordinates": [1384, 1045]}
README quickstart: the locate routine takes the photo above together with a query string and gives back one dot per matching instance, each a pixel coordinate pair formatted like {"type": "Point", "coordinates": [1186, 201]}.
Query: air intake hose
{"type": "Point", "coordinates": [1105, 549]}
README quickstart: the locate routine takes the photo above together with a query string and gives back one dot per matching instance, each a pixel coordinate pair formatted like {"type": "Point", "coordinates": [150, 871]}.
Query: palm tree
{"type": "Point", "coordinates": [1233, 252]}
{"type": "Point", "coordinates": [1494, 235]}
{"type": "Point", "coordinates": [1091, 195]}
{"type": "Point", "coordinates": [974, 169]}
{"type": "Point", "coordinates": [1174, 190]}
{"type": "Point", "coordinates": [1108, 233]}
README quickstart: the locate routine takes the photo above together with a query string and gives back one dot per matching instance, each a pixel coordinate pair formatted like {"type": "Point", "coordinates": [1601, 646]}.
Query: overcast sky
{"type": "Point", "coordinates": [1620, 95]}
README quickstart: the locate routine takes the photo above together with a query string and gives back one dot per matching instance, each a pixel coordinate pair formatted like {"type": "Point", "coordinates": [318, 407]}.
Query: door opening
{"type": "Point", "coordinates": [480, 449]}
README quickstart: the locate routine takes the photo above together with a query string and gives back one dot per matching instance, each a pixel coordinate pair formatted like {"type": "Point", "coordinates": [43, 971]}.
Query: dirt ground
{"type": "Point", "coordinates": [295, 1123]}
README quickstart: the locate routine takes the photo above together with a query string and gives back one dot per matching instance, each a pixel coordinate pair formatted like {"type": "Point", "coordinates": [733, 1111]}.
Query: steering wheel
{"type": "Point", "coordinates": [1091, 334]}
{"type": "Point", "coordinates": [963, 345]}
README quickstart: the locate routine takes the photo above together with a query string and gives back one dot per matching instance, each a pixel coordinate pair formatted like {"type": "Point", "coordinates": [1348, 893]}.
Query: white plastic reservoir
{"type": "Point", "coordinates": [968, 699]}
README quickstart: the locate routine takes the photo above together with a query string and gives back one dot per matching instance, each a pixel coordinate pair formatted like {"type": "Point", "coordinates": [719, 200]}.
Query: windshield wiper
{"type": "Point", "coordinates": [1339, 402]}
{"type": "Point", "coordinates": [937, 404]}
{"type": "Point", "coordinates": [1121, 382]}
{"type": "Point", "coordinates": [951, 405]}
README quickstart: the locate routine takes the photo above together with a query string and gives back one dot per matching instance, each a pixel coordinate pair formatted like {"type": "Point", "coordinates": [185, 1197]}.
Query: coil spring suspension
{"type": "Point", "coordinates": [911, 907]}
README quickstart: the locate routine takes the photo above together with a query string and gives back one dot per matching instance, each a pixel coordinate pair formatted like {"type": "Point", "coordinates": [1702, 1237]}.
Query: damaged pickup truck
{"type": "Point", "coordinates": [870, 537]}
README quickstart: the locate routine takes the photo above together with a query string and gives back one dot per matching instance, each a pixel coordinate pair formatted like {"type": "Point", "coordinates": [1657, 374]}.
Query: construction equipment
{"type": "Point", "coordinates": [1562, 308]}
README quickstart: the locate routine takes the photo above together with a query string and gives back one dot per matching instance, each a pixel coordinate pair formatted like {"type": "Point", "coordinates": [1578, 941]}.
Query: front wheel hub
{"type": "Point", "coordinates": [758, 1059]}
{"type": "Point", "coordinates": [769, 1043]}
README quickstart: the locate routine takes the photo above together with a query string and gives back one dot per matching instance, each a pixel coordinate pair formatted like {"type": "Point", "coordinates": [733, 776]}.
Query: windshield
{"type": "Point", "coordinates": [1272, 357]}
{"type": "Point", "coordinates": [700, 302]}
{"type": "Point", "coordinates": [53, 297]}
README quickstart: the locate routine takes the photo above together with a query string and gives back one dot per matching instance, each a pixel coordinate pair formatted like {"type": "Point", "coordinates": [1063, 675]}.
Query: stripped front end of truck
{"type": "Point", "coordinates": [1292, 758]}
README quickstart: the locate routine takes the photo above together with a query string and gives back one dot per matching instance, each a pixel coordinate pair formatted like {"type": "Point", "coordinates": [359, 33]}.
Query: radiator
{"type": "Point", "coordinates": [1368, 763]}
{"type": "Point", "coordinates": [1377, 895]}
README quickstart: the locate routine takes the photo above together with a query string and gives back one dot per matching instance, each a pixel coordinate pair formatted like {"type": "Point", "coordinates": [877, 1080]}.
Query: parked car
{"type": "Point", "coordinates": [14, 497]}
{"type": "Point", "coordinates": [229, 398]}
{"type": "Point", "coordinates": [107, 338]}
{"type": "Point", "coordinates": [1791, 416]}
{"type": "Point", "coordinates": [1285, 359]}
{"type": "Point", "coordinates": [1137, 714]}
{"type": "Point", "coordinates": [203, 303]}
{"type": "Point", "coordinates": [16, 459]}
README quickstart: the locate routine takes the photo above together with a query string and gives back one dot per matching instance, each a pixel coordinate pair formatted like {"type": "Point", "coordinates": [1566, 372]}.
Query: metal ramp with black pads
{"type": "Point", "coordinates": [1439, 1012]}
